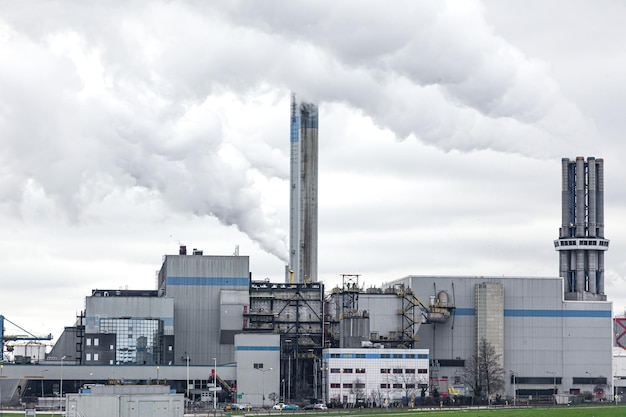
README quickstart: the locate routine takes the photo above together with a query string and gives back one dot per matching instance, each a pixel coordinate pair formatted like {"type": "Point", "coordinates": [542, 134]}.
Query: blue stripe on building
{"type": "Point", "coordinates": [375, 356]}
{"type": "Point", "coordinates": [271, 348]}
{"type": "Point", "coordinates": [558, 313]}
{"type": "Point", "coordinates": [541, 313]}
{"type": "Point", "coordinates": [208, 281]}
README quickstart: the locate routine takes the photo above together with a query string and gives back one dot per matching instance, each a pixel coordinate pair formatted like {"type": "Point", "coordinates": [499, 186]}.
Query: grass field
{"type": "Point", "coordinates": [586, 411]}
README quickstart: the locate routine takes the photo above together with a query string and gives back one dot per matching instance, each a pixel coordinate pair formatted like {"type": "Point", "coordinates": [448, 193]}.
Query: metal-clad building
{"type": "Point", "coordinates": [258, 369]}
{"type": "Point", "coordinates": [125, 401]}
{"type": "Point", "coordinates": [303, 192]}
{"type": "Point", "coordinates": [124, 327]}
{"type": "Point", "coordinates": [209, 294]}
{"type": "Point", "coordinates": [550, 344]}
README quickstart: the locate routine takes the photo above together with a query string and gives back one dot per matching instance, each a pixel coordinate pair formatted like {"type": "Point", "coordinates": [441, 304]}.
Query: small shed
{"type": "Point", "coordinates": [125, 401]}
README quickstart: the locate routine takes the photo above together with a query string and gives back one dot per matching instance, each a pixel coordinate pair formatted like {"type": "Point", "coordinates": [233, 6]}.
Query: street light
{"type": "Point", "coordinates": [42, 377]}
{"type": "Point", "coordinates": [263, 383]}
{"type": "Point", "coordinates": [215, 383]}
{"type": "Point", "coordinates": [186, 357]}
{"type": "Point", "coordinates": [1, 376]}
{"type": "Point", "coordinates": [514, 391]}
{"type": "Point", "coordinates": [157, 378]}
{"type": "Point", "coordinates": [554, 378]}
{"type": "Point", "coordinates": [61, 384]}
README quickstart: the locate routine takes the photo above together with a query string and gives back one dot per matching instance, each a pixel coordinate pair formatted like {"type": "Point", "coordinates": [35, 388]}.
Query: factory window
{"type": "Point", "coordinates": [95, 356]}
{"type": "Point", "coordinates": [347, 370]}
{"type": "Point", "coordinates": [88, 342]}
{"type": "Point", "coordinates": [334, 355]}
{"type": "Point", "coordinates": [397, 385]}
{"type": "Point", "coordinates": [397, 371]}
{"type": "Point", "coordinates": [96, 342]}
{"type": "Point", "coordinates": [422, 356]}
{"type": "Point", "coordinates": [397, 355]}
{"type": "Point", "coordinates": [111, 362]}
{"type": "Point", "coordinates": [111, 347]}
{"type": "Point", "coordinates": [258, 366]}
{"type": "Point", "coordinates": [385, 355]}
{"type": "Point", "coordinates": [409, 371]}
{"type": "Point", "coordinates": [410, 386]}
{"type": "Point", "coordinates": [360, 355]}
{"type": "Point", "coordinates": [422, 371]}
{"type": "Point", "coordinates": [359, 385]}
{"type": "Point", "coordinates": [169, 348]}
{"type": "Point", "coordinates": [333, 385]}
{"type": "Point", "coordinates": [384, 385]}
{"type": "Point", "coordinates": [348, 385]}
{"type": "Point", "coordinates": [410, 356]}
{"type": "Point", "coordinates": [360, 370]}
{"type": "Point", "coordinates": [385, 371]}
{"type": "Point", "coordinates": [334, 370]}
{"type": "Point", "coordinates": [88, 357]}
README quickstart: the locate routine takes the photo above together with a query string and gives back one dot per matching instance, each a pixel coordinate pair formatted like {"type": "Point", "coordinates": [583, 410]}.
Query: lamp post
{"type": "Point", "coordinates": [1, 376]}
{"type": "Point", "coordinates": [341, 386]}
{"type": "Point", "coordinates": [554, 381]}
{"type": "Point", "coordinates": [215, 383]}
{"type": "Point", "coordinates": [186, 357]}
{"type": "Point", "coordinates": [514, 391]}
{"type": "Point", "coordinates": [157, 378]}
{"type": "Point", "coordinates": [263, 384]}
{"type": "Point", "coordinates": [283, 381]}
{"type": "Point", "coordinates": [42, 377]}
{"type": "Point", "coordinates": [61, 385]}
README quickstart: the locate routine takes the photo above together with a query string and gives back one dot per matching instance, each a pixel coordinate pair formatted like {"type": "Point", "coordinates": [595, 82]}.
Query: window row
{"type": "Point", "coordinates": [409, 385]}
{"type": "Point", "coordinates": [381, 355]}
{"type": "Point", "coordinates": [348, 385]}
{"type": "Point", "coordinates": [347, 370]}
{"type": "Point", "coordinates": [401, 370]}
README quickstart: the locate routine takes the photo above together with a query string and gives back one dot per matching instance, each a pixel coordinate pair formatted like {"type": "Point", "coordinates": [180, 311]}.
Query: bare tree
{"type": "Point", "coordinates": [410, 384]}
{"type": "Point", "coordinates": [377, 397]}
{"type": "Point", "coordinates": [358, 389]}
{"type": "Point", "coordinates": [483, 371]}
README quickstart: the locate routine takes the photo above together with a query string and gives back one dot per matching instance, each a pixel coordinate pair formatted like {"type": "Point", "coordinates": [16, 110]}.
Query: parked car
{"type": "Point", "coordinates": [316, 407]}
{"type": "Point", "coordinates": [240, 406]}
{"type": "Point", "coordinates": [285, 407]}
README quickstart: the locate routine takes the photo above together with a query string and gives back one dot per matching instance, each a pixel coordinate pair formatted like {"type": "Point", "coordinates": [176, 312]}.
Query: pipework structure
{"type": "Point", "coordinates": [581, 244]}
{"type": "Point", "coordinates": [303, 193]}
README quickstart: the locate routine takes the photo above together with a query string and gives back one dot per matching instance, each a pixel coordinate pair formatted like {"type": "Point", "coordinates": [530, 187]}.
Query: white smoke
{"type": "Point", "coordinates": [130, 92]}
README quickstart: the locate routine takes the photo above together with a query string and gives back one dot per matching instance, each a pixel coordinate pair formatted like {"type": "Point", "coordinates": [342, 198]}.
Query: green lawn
{"type": "Point", "coordinates": [583, 411]}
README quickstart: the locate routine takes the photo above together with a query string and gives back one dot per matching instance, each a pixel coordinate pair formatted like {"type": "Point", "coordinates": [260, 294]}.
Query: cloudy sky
{"type": "Point", "coordinates": [131, 127]}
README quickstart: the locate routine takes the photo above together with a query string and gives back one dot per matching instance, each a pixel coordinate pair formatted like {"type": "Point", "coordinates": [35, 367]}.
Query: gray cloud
{"type": "Point", "coordinates": [437, 119]}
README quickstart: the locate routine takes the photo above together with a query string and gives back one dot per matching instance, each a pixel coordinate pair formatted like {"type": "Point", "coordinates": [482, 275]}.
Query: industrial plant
{"type": "Point", "coordinates": [214, 333]}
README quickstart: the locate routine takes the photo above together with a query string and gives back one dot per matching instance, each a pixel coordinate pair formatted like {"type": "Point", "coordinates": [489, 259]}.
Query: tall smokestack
{"type": "Point", "coordinates": [581, 244]}
{"type": "Point", "coordinates": [303, 192]}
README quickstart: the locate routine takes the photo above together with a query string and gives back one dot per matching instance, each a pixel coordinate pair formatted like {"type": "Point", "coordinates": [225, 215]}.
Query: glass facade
{"type": "Point", "coordinates": [138, 341]}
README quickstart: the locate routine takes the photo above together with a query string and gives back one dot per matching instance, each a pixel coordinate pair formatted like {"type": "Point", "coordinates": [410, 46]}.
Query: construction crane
{"type": "Point", "coordinates": [11, 338]}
